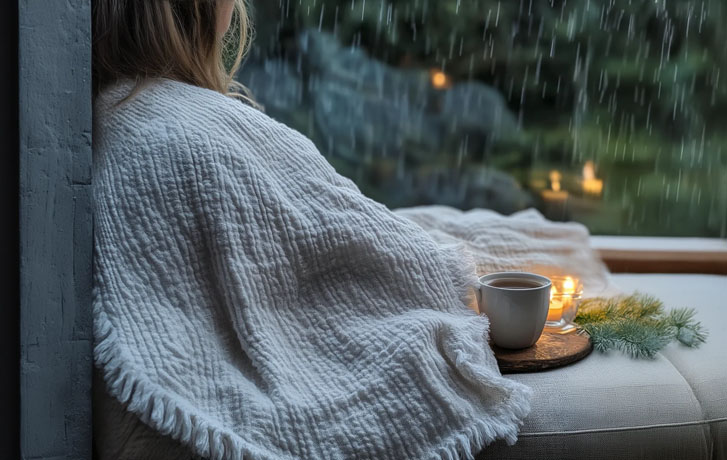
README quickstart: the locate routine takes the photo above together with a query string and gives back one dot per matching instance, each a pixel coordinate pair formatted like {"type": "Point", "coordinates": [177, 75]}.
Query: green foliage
{"type": "Point", "coordinates": [637, 325]}
{"type": "Point", "coordinates": [637, 87]}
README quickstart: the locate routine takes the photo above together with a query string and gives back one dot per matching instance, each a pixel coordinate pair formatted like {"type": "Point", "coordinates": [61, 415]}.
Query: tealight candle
{"type": "Point", "coordinates": [555, 313]}
{"type": "Point", "coordinates": [569, 286]}
{"type": "Point", "coordinates": [564, 297]}
{"type": "Point", "coordinates": [555, 198]}
{"type": "Point", "coordinates": [591, 184]}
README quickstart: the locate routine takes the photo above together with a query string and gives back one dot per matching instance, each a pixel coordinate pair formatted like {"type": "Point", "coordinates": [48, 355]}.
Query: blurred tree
{"type": "Point", "coordinates": [635, 86]}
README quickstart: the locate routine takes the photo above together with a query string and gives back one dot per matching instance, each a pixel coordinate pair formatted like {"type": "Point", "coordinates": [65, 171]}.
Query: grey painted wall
{"type": "Point", "coordinates": [10, 307]}
{"type": "Point", "coordinates": [56, 239]}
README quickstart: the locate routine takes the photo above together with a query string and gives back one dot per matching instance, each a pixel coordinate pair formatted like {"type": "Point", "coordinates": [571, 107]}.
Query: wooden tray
{"type": "Point", "coordinates": [551, 350]}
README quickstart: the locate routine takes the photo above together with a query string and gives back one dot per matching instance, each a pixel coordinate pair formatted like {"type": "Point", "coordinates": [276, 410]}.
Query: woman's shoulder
{"type": "Point", "coordinates": [162, 103]}
{"type": "Point", "coordinates": [170, 118]}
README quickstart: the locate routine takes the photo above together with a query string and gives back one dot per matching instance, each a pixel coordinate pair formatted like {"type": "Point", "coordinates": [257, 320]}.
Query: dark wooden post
{"type": "Point", "coordinates": [56, 239]}
{"type": "Point", "coordinates": [10, 307]}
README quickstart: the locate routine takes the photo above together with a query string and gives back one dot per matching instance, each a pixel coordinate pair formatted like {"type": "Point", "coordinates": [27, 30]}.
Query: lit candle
{"type": "Point", "coordinates": [591, 185]}
{"type": "Point", "coordinates": [555, 198]}
{"type": "Point", "coordinates": [555, 312]}
{"type": "Point", "coordinates": [569, 286]}
{"type": "Point", "coordinates": [555, 193]}
{"type": "Point", "coordinates": [564, 297]}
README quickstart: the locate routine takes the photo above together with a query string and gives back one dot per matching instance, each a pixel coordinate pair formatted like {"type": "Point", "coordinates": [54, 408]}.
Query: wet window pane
{"type": "Point", "coordinates": [607, 112]}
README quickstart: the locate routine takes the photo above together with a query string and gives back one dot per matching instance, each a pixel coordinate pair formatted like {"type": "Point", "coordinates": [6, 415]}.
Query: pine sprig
{"type": "Point", "coordinates": [637, 325]}
{"type": "Point", "coordinates": [686, 330]}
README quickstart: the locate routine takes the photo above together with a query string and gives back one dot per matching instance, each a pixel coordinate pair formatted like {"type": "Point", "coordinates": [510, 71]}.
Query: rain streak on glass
{"type": "Point", "coordinates": [606, 112]}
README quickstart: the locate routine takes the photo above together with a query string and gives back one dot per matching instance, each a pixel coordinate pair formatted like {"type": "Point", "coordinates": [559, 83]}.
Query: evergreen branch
{"type": "Point", "coordinates": [637, 325]}
{"type": "Point", "coordinates": [640, 339]}
{"type": "Point", "coordinates": [687, 331]}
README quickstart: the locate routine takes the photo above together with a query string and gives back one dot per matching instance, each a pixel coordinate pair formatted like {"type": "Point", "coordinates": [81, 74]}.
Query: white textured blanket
{"type": "Point", "coordinates": [525, 241]}
{"type": "Point", "coordinates": [249, 302]}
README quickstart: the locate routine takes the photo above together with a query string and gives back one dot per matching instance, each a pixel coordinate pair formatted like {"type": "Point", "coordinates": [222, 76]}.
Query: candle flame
{"type": "Point", "coordinates": [589, 171]}
{"type": "Point", "coordinates": [569, 286]}
{"type": "Point", "coordinates": [555, 178]}
{"type": "Point", "coordinates": [591, 185]}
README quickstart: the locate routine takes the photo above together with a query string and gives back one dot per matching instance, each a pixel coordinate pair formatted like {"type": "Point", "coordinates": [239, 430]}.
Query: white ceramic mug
{"type": "Point", "coordinates": [517, 314]}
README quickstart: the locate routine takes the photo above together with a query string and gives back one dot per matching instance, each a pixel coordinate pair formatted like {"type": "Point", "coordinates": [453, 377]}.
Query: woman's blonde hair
{"type": "Point", "coordinates": [176, 39]}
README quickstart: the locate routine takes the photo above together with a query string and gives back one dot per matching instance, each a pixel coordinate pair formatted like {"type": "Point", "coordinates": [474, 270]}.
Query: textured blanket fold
{"type": "Point", "coordinates": [525, 241]}
{"type": "Point", "coordinates": [249, 302]}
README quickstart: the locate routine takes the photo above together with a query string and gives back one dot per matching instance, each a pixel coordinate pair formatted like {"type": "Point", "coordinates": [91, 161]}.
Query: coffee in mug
{"type": "Point", "coordinates": [514, 283]}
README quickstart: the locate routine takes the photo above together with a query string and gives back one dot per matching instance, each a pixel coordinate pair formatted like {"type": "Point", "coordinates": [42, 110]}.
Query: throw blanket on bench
{"type": "Point", "coordinates": [250, 302]}
{"type": "Point", "coordinates": [525, 241]}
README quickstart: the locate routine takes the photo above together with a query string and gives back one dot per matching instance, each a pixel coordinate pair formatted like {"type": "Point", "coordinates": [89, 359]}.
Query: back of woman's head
{"type": "Point", "coordinates": [176, 39]}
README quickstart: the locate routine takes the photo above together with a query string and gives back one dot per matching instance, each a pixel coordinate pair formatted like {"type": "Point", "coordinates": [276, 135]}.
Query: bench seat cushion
{"type": "Point", "coordinates": [609, 406]}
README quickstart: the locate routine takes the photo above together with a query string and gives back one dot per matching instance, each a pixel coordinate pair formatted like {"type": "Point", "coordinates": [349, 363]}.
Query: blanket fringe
{"type": "Point", "coordinates": [468, 444]}
{"type": "Point", "coordinates": [474, 439]}
{"type": "Point", "coordinates": [156, 409]}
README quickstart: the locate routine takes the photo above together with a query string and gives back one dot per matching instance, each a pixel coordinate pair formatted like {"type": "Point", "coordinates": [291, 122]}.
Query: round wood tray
{"type": "Point", "coordinates": [550, 351]}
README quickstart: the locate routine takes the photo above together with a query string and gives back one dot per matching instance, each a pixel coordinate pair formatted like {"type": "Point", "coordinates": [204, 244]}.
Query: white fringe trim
{"type": "Point", "coordinates": [157, 408]}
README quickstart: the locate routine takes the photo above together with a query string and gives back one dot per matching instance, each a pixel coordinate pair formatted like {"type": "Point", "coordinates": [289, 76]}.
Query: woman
{"type": "Point", "coordinates": [249, 302]}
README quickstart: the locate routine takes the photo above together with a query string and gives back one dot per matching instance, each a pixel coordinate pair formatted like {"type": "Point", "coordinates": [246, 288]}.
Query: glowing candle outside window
{"type": "Point", "coordinates": [555, 178]}
{"type": "Point", "coordinates": [555, 199]}
{"type": "Point", "coordinates": [591, 185]}
{"type": "Point", "coordinates": [555, 194]}
{"type": "Point", "coordinates": [440, 80]}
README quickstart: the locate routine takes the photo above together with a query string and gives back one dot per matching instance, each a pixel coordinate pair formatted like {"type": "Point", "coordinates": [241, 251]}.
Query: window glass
{"type": "Point", "coordinates": [607, 112]}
